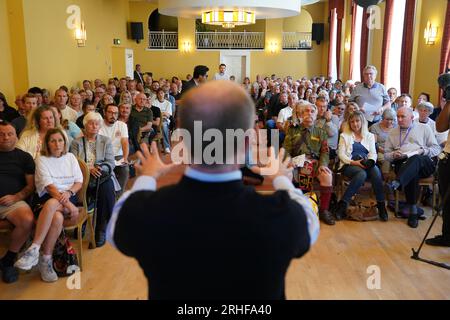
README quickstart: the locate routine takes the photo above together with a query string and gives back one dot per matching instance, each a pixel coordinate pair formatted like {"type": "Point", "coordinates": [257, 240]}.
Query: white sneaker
{"type": "Point", "coordinates": [167, 150]}
{"type": "Point", "coordinates": [48, 274]}
{"type": "Point", "coordinates": [28, 260]}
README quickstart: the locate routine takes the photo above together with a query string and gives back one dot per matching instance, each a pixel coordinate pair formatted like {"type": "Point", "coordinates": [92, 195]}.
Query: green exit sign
{"type": "Point", "coordinates": [117, 42]}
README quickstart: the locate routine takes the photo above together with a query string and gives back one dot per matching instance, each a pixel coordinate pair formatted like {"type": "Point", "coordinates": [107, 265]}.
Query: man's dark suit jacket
{"type": "Point", "coordinates": [188, 86]}
{"type": "Point", "coordinates": [197, 240]}
{"type": "Point", "coordinates": [136, 77]}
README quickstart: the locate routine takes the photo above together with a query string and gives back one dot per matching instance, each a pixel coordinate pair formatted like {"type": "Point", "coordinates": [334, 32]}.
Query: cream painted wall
{"type": "Point", "coordinates": [18, 45]}
{"type": "Point", "coordinates": [6, 66]}
{"type": "Point", "coordinates": [428, 56]}
{"type": "Point", "coordinates": [168, 63]}
{"type": "Point", "coordinates": [53, 55]}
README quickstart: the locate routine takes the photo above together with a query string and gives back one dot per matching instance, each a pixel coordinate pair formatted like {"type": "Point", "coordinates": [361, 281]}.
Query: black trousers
{"type": "Point", "coordinates": [105, 203]}
{"type": "Point", "coordinates": [444, 188]}
{"type": "Point", "coordinates": [409, 173]}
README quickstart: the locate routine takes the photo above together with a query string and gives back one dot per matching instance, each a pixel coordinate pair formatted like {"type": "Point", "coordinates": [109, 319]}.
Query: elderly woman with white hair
{"type": "Point", "coordinates": [425, 109]}
{"type": "Point", "coordinates": [97, 151]}
{"type": "Point", "coordinates": [381, 131]}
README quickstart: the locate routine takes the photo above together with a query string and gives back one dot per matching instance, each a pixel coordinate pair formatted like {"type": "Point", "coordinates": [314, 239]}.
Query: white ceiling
{"type": "Point", "coordinates": [264, 9]}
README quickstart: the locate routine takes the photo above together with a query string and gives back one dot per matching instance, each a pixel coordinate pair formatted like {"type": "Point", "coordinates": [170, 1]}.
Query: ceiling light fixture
{"type": "Point", "coordinates": [228, 18]}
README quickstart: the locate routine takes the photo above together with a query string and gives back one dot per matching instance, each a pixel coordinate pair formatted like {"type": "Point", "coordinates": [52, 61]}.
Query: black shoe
{"type": "Point", "coordinates": [382, 212]}
{"type": "Point", "coordinates": [327, 217]}
{"type": "Point", "coordinates": [100, 239]}
{"type": "Point", "coordinates": [438, 241]}
{"type": "Point", "coordinates": [413, 220]}
{"type": "Point", "coordinates": [341, 210]}
{"type": "Point", "coordinates": [9, 273]}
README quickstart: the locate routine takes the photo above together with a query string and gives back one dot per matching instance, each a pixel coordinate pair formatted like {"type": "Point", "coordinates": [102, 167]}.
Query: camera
{"type": "Point", "coordinates": [444, 84]}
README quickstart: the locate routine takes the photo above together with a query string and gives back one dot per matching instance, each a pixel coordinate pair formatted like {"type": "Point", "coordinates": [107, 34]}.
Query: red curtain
{"type": "Point", "coordinates": [388, 16]}
{"type": "Point", "coordinates": [353, 44]}
{"type": "Point", "coordinates": [407, 45]}
{"type": "Point", "coordinates": [445, 52]}
{"type": "Point", "coordinates": [331, 52]}
{"type": "Point", "coordinates": [364, 41]}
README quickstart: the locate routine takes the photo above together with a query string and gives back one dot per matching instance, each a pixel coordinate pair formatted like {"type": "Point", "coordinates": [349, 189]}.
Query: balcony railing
{"type": "Point", "coordinates": [163, 40]}
{"type": "Point", "coordinates": [297, 40]}
{"type": "Point", "coordinates": [229, 40]}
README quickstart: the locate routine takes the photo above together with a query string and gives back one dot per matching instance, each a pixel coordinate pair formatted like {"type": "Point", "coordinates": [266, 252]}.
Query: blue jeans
{"type": "Point", "coordinates": [358, 177]}
{"type": "Point", "coordinates": [270, 124]}
{"type": "Point", "coordinates": [165, 131]}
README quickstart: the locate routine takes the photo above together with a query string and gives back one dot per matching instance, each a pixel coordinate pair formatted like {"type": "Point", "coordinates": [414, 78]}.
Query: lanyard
{"type": "Point", "coordinates": [402, 142]}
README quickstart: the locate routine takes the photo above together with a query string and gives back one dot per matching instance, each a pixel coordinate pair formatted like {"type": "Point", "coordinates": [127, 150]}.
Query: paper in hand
{"type": "Point", "coordinates": [299, 161]}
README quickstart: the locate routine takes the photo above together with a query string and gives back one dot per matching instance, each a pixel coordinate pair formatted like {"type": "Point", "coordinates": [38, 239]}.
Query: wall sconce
{"type": "Point", "coordinates": [80, 35]}
{"type": "Point", "coordinates": [348, 45]}
{"type": "Point", "coordinates": [273, 47]}
{"type": "Point", "coordinates": [430, 34]}
{"type": "Point", "coordinates": [186, 46]}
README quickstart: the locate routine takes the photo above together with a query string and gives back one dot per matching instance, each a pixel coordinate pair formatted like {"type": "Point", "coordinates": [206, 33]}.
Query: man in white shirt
{"type": "Point", "coordinates": [166, 112]}
{"type": "Point", "coordinates": [61, 99]}
{"type": "Point", "coordinates": [117, 131]}
{"type": "Point", "coordinates": [286, 113]}
{"type": "Point", "coordinates": [221, 75]}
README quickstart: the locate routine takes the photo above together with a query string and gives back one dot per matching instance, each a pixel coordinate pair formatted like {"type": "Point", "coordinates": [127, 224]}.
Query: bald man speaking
{"type": "Point", "coordinates": [209, 236]}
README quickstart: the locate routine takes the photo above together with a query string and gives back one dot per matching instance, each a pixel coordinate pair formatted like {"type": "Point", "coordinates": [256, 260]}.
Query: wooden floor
{"type": "Point", "coordinates": [335, 268]}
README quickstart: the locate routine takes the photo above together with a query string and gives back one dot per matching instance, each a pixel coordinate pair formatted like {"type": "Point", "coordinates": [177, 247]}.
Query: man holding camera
{"type": "Point", "coordinates": [442, 125]}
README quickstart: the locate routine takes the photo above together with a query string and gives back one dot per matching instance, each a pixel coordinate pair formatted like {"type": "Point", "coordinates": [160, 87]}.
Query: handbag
{"type": "Point", "coordinates": [105, 168]}
{"type": "Point", "coordinates": [361, 211]}
{"type": "Point", "coordinates": [65, 260]}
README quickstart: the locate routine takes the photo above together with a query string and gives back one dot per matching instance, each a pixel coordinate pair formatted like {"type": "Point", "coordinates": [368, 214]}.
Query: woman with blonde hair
{"type": "Point", "coordinates": [41, 120]}
{"type": "Point", "coordinates": [358, 157]}
{"type": "Point", "coordinates": [58, 179]}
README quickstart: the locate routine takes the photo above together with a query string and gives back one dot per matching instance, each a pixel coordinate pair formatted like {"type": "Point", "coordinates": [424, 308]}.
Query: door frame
{"type": "Point", "coordinates": [238, 53]}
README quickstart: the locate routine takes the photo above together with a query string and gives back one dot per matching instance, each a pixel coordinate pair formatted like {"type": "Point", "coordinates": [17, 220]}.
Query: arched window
{"type": "Point", "coordinates": [163, 31]}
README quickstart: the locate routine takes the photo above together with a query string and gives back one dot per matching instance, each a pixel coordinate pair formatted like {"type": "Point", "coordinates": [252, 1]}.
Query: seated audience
{"type": "Point", "coordinates": [58, 179]}
{"type": "Point", "coordinates": [71, 130]}
{"type": "Point", "coordinates": [41, 120]}
{"type": "Point", "coordinates": [7, 113]}
{"type": "Point", "coordinates": [61, 98]}
{"type": "Point", "coordinates": [330, 123]}
{"type": "Point", "coordinates": [358, 156]}
{"type": "Point", "coordinates": [28, 105]}
{"type": "Point", "coordinates": [117, 132]}
{"type": "Point", "coordinates": [97, 150]}
{"type": "Point", "coordinates": [132, 125]}
{"type": "Point", "coordinates": [17, 185]}
{"type": "Point", "coordinates": [144, 117]}
{"type": "Point", "coordinates": [410, 148]}
{"type": "Point", "coordinates": [381, 131]}
{"type": "Point", "coordinates": [87, 107]}
{"type": "Point", "coordinates": [425, 109]}
{"type": "Point", "coordinates": [309, 140]}
{"type": "Point", "coordinates": [165, 108]}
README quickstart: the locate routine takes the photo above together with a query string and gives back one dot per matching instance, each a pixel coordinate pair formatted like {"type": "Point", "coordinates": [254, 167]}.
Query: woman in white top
{"type": "Point", "coordinates": [358, 156]}
{"type": "Point", "coordinates": [58, 178]}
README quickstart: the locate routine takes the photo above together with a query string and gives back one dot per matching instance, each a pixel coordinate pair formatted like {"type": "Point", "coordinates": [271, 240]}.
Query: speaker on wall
{"type": "Point", "coordinates": [318, 32]}
{"type": "Point", "coordinates": [137, 31]}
